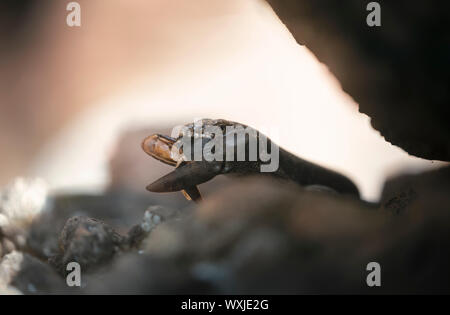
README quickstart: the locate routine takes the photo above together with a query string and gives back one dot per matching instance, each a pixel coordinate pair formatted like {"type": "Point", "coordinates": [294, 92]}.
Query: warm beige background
{"type": "Point", "coordinates": [67, 93]}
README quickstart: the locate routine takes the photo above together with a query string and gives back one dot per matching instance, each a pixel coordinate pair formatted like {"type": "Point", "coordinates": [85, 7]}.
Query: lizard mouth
{"type": "Point", "coordinates": [160, 147]}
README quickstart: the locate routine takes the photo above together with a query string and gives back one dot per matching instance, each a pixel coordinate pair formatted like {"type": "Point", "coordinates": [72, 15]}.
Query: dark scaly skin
{"type": "Point", "coordinates": [306, 173]}
{"type": "Point", "coordinates": [189, 174]}
{"type": "Point", "coordinates": [300, 171]}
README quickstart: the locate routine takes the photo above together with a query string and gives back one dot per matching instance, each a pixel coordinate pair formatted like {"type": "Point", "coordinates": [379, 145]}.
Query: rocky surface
{"type": "Point", "coordinates": [256, 236]}
{"type": "Point", "coordinates": [398, 72]}
{"type": "Point", "coordinates": [21, 273]}
{"type": "Point", "coordinates": [20, 203]}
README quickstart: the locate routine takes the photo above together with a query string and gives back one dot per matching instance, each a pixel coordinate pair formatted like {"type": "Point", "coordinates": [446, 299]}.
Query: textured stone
{"type": "Point", "coordinates": [398, 73]}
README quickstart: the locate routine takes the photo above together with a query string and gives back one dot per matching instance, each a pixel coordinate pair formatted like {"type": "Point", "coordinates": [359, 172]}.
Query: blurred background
{"type": "Point", "coordinates": [75, 102]}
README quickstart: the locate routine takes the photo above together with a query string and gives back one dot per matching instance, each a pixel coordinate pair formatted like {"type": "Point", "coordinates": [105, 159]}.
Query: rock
{"type": "Point", "coordinates": [119, 208]}
{"type": "Point", "coordinates": [88, 242]}
{"type": "Point", "coordinates": [398, 73]}
{"type": "Point", "coordinates": [142, 274]}
{"type": "Point", "coordinates": [22, 273]}
{"type": "Point", "coordinates": [10, 266]}
{"type": "Point", "coordinates": [10, 291]}
{"type": "Point", "coordinates": [21, 202]}
{"type": "Point", "coordinates": [400, 194]}
{"type": "Point", "coordinates": [417, 253]}
{"type": "Point", "coordinates": [7, 246]}
{"type": "Point", "coordinates": [258, 236]}
{"type": "Point", "coordinates": [239, 241]}
{"type": "Point", "coordinates": [93, 244]}
{"type": "Point", "coordinates": [153, 217]}
{"type": "Point", "coordinates": [263, 237]}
